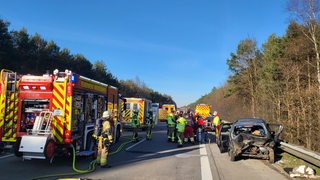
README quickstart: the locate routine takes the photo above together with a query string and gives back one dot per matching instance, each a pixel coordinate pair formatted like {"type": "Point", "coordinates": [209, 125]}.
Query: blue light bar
{"type": "Point", "coordinates": [74, 78]}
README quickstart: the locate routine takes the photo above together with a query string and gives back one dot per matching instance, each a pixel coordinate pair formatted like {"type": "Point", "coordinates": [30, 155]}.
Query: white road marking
{"type": "Point", "coordinates": [205, 165]}
{"type": "Point", "coordinates": [10, 155]}
{"type": "Point", "coordinates": [136, 144]}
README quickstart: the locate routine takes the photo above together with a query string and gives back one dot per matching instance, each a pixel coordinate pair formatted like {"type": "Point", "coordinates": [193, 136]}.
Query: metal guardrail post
{"type": "Point", "coordinates": [302, 153]}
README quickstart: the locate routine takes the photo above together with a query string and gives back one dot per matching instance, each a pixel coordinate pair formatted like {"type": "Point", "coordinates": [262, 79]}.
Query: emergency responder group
{"type": "Point", "coordinates": [181, 129]}
{"type": "Point", "coordinates": [184, 128]}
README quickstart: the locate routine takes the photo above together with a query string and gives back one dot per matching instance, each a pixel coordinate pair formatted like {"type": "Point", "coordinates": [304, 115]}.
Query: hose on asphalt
{"type": "Point", "coordinates": [91, 167]}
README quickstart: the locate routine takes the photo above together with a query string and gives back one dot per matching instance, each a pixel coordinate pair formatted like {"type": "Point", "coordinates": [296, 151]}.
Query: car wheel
{"type": "Point", "coordinates": [232, 156]}
{"type": "Point", "coordinates": [222, 148]}
{"type": "Point", "coordinates": [271, 156]}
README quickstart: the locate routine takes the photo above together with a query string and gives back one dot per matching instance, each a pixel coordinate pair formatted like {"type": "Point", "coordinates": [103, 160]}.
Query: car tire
{"type": "Point", "coordinates": [231, 155]}
{"type": "Point", "coordinates": [222, 148]}
{"type": "Point", "coordinates": [271, 156]}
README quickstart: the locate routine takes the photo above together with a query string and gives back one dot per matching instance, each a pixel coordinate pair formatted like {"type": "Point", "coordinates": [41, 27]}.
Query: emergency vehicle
{"type": "Point", "coordinates": [169, 107]}
{"type": "Point", "coordinates": [203, 110]}
{"type": "Point", "coordinates": [163, 114]}
{"type": "Point", "coordinates": [133, 104]}
{"type": "Point", "coordinates": [59, 111]}
{"type": "Point", "coordinates": [9, 94]}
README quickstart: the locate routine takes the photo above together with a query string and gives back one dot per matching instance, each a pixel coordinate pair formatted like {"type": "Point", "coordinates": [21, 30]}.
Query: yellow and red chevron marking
{"type": "Point", "coordinates": [68, 113]}
{"type": "Point", "coordinates": [141, 111]}
{"type": "Point", "coordinates": [203, 110]}
{"type": "Point", "coordinates": [9, 125]}
{"type": "Point", "coordinates": [59, 101]}
{"type": "Point", "coordinates": [127, 115]}
{"type": "Point", "coordinates": [2, 107]}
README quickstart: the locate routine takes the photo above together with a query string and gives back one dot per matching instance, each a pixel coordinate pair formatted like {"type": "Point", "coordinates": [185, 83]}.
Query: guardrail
{"type": "Point", "coordinates": [301, 153]}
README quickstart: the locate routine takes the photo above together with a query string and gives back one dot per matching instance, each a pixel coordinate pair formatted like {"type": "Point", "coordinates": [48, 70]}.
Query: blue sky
{"type": "Point", "coordinates": [176, 47]}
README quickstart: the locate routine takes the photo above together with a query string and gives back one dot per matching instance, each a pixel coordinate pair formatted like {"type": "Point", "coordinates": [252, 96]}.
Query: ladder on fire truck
{"type": "Point", "coordinates": [42, 124]}
{"type": "Point", "coordinates": [9, 105]}
{"type": "Point", "coordinates": [38, 142]}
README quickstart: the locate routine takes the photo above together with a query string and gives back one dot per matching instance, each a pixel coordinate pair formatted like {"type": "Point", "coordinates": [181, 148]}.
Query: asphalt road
{"type": "Point", "coordinates": [155, 159]}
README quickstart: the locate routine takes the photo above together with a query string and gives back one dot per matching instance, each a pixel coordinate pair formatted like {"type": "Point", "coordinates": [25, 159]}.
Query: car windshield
{"type": "Point", "coordinates": [250, 129]}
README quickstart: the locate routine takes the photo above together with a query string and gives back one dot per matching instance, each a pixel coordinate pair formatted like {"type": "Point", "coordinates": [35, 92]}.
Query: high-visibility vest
{"type": "Point", "coordinates": [181, 124]}
{"type": "Point", "coordinates": [135, 121]}
{"type": "Point", "coordinates": [170, 119]}
{"type": "Point", "coordinates": [216, 120]}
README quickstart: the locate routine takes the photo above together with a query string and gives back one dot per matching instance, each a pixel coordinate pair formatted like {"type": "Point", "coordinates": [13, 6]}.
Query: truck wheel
{"type": "Point", "coordinates": [16, 147]}
{"type": "Point", "coordinates": [49, 149]}
{"type": "Point", "coordinates": [271, 156]}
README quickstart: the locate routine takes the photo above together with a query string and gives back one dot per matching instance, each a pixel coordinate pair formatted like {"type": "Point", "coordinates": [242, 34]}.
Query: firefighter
{"type": "Point", "coordinates": [149, 124]}
{"type": "Point", "coordinates": [104, 135]}
{"type": "Point", "coordinates": [135, 124]}
{"type": "Point", "coordinates": [181, 124]}
{"type": "Point", "coordinates": [188, 132]}
{"type": "Point", "coordinates": [171, 126]}
{"type": "Point", "coordinates": [216, 122]}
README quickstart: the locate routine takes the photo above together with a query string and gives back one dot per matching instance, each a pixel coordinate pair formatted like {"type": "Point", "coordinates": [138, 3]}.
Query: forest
{"type": "Point", "coordinates": [280, 81]}
{"type": "Point", "coordinates": [30, 54]}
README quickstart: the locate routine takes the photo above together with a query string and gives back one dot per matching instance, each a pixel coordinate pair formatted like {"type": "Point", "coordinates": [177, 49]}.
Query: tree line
{"type": "Point", "coordinates": [31, 54]}
{"type": "Point", "coordinates": [279, 81]}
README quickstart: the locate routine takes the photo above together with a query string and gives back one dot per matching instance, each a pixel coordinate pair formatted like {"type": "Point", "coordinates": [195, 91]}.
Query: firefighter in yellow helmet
{"type": "Point", "coordinates": [171, 126]}
{"type": "Point", "coordinates": [135, 124]}
{"type": "Point", "coordinates": [103, 133]}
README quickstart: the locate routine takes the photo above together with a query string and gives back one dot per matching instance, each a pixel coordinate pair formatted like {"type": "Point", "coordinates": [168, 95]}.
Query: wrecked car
{"type": "Point", "coordinates": [223, 136]}
{"type": "Point", "coordinates": [253, 137]}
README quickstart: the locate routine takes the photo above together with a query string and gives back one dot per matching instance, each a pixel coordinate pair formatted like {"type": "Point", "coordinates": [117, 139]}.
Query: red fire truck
{"type": "Point", "coordinates": [59, 111]}
{"type": "Point", "coordinates": [9, 93]}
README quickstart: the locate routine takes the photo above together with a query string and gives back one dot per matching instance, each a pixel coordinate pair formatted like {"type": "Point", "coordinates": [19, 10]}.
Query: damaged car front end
{"type": "Point", "coordinates": [253, 137]}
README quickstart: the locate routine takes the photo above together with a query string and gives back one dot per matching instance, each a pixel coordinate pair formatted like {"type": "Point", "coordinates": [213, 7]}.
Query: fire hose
{"type": "Point", "coordinates": [91, 167]}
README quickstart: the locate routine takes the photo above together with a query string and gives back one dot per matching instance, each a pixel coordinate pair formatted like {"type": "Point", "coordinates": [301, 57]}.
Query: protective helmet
{"type": "Point", "coordinates": [106, 114]}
